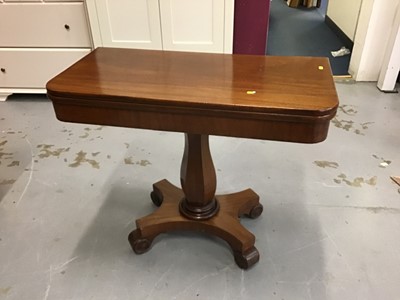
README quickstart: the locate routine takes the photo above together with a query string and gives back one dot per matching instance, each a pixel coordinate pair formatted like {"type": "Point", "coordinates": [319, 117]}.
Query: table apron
{"type": "Point", "coordinates": [244, 124]}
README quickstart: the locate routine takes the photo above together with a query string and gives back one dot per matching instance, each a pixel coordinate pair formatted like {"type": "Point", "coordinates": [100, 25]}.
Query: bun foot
{"type": "Point", "coordinates": [247, 259]}
{"type": "Point", "coordinates": [256, 211]}
{"type": "Point", "coordinates": [139, 244]}
{"type": "Point", "coordinates": [156, 198]}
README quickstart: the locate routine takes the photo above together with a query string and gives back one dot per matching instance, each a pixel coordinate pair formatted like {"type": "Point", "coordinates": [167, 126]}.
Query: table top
{"type": "Point", "coordinates": [208, 86]}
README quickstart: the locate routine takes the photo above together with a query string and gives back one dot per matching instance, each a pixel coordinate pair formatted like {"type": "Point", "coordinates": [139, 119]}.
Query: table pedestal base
{"type": "Point", "coordinates": [225, 224]}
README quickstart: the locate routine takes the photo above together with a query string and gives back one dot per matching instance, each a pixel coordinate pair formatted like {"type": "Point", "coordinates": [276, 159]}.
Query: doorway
{"type": "Point", "coordinates": [302, 31]}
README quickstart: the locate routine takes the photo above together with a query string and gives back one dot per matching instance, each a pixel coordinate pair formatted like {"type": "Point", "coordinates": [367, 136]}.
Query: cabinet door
{"type": "Point", "coordinates": [193, 25]}
{"type": "Point", "coordinates": [129, 23]}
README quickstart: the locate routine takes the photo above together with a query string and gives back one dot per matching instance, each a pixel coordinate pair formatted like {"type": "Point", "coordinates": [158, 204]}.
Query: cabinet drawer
{"type": "Point", "coordinates": [32, 68]}
{"type": "Point", "coordinates": [43, 25]}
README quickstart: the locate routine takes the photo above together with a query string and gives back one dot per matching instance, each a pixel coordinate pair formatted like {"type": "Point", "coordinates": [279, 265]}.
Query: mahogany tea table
{"type": "Point", "coordinates": [290, 99]}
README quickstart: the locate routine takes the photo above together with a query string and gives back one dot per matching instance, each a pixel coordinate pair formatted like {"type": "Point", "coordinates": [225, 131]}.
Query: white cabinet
{"type": "Point", "coordinates": [179, 25]}
{"type": "Point", "coordinates": [38, 40]}
{"type": "Point", "coordinates": [193, 25]}
{"type": "Point", "coordinates": [129, 23]}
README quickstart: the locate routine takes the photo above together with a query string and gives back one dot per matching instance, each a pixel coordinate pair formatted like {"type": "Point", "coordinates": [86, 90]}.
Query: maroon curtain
{"type": "Point", "coordinates": [251, 26]}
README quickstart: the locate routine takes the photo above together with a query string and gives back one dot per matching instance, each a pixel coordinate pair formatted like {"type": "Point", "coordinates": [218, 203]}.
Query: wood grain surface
{"type": "Point", "coordinates": [290, 85]}
{"type": "Point", "coordinates": [277, 98]}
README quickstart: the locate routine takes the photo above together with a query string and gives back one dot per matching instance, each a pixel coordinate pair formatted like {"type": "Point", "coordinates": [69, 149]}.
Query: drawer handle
{"type": "Point", "coordinates": [3, 70]}
{"type": "Point", "coordinates": [66, 26]}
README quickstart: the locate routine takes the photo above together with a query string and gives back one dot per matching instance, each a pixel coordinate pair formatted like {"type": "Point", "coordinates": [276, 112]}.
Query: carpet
{"type": "Point", "coordinates": [303, 32]}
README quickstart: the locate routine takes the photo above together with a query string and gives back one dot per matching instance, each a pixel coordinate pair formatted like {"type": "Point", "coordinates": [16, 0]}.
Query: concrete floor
{"type": "Point", "coordinates": [69, 195]}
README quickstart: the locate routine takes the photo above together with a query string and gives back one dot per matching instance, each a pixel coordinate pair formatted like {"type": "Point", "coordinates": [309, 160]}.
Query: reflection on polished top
{"type": "Point", "coordinates": [264, 84]}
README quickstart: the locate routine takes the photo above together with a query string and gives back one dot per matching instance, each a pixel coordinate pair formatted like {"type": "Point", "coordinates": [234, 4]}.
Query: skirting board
{"type": "Point", "coordinates": [339, 32]}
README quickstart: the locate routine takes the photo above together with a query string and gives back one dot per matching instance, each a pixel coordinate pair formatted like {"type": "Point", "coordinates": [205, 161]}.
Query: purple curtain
{"type": "Point", "coordinates": [251, 26]}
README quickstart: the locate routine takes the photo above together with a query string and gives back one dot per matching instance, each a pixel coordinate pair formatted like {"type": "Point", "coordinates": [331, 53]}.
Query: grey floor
{"type": "Point", "coordinates": [69, 195]}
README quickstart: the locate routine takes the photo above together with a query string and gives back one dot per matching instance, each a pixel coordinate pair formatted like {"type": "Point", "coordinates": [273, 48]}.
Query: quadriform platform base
{"type": "Point", "coordinates": [289, 99]}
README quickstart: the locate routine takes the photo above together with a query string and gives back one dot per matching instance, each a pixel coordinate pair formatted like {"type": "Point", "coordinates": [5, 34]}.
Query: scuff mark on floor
{"type": "Point", "coordinates": [3, 143]}
{"type": "Point", "coordinates": [376, 210]}
{"type": "Point", "coordinates": [47, 151]}
{"type": "Point", "coordinates": [373, 209]}
{"type": "Point", "coordinates": [326, 164]}
{"type": "Point", "coordinates": [95, 154]}
{"type": "Point", "coordinates": [356, 182]}
{"type": "Point", "coordinates": [126, 145]}
{"type": "Point", "coordinates": [81, 158]}
{"type": "Point", "coordinates": [32, 165]}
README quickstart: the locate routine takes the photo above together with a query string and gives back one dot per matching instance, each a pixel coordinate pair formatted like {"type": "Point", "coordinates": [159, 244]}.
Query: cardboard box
{"type": "Point", "coordinates": [293, 3]}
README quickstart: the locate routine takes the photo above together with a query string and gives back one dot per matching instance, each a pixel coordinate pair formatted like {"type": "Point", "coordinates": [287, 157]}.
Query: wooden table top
{"type": "Point", "coordinates": [289, 89]}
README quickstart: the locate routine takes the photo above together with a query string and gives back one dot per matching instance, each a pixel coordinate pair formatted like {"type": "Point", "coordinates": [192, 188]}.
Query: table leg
{"type": "Point", "coordinates": [196, 208]}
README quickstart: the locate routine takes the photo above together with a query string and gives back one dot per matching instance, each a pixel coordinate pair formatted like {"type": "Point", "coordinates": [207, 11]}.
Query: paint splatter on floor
{"type": "Point", "coordinates": [143, 162]}
{"type": "Point", "coordinates": [81, 158]}
{"type": "Point", "coordinates": [5, 155]}
{"type": "Point", "coordinates": [343, 124]}
{"type": "Point", "coordinates": [356, 182]}
{"type": "Point", "coordinates": [15, 163]}
{"type": "Point", "coordinates": [383, 162]}
{"type": "Point", "coordinates": [326, 164]}
{"type": "Point", "coordinates": [7, 181]}
{"type": "Point", "coordinates": [349, 125]}
{"type": "Point", "coordinates": [85, 135]}
{"type": "Point", "coordinates": [129, 161]}
{"type": "Point", "coordinates": [47, 151]}
{"type": "Point", "coordinates": [348, 109]}
{"type": "Point", "coordinates": [4, 291]}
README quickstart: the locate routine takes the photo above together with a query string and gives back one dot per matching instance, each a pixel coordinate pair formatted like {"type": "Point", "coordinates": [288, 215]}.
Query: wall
{"type": "Point", "coordinates": [391, 61]}
{"type": "Point", "coordinates": [345, 15]}
{"type": "Point", "coordinates": [371, 40]}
